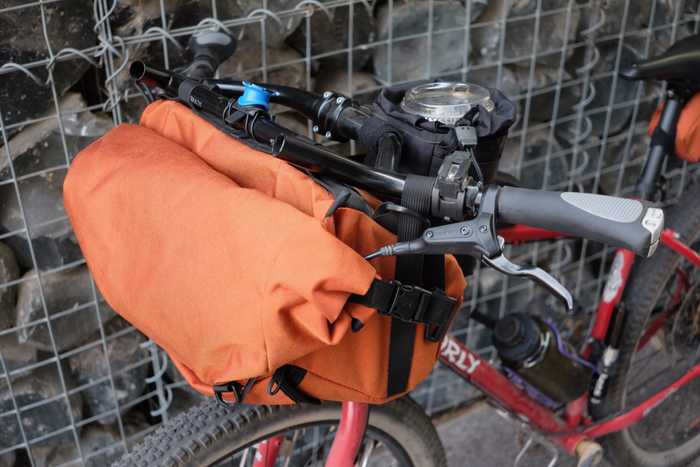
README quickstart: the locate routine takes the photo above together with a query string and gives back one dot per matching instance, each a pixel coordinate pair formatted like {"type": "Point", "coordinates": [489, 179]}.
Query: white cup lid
{"type": "Point", "coordinates": [445, 102]}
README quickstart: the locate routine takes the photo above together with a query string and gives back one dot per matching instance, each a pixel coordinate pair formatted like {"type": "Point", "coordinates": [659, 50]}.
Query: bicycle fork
{"type": "Point", "coordinates": [346, 444]}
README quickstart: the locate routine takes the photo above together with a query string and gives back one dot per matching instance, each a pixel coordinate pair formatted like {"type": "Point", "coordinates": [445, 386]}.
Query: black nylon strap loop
{"type": "Point", "coordinates": [409, 270]}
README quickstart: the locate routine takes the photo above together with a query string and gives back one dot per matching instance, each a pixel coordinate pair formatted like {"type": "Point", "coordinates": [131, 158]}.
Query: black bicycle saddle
{"type": "Point", "coordinates": [679, 64]}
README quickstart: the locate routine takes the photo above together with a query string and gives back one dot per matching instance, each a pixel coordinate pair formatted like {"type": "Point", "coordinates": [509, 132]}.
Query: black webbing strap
{"type": "Point", "coordinates": [409, 270]}
{"type": "Point", "coordinates": [411, 304]}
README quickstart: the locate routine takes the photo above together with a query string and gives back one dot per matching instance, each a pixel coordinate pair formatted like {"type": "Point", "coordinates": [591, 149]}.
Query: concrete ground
{"type": "Point", "coordinates": [480, 437]}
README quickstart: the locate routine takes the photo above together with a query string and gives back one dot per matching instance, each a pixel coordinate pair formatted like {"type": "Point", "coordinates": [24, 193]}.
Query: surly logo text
{"type": "Point", "coordinates": [459, 356]}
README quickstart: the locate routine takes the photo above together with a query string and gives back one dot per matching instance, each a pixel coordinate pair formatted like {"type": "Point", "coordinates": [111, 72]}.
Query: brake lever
{"type": "Point", "coordinates": [476, 237]}
{"type": "Point", "coordinates": [502, 264]}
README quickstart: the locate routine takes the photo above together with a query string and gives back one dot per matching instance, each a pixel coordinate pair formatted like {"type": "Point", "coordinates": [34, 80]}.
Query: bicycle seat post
{"type": "Point", "coordinates": [662, 144]}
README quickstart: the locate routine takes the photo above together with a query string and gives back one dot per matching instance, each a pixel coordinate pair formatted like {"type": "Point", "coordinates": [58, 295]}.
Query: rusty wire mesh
{"type": "Point", "coordinates": [78, 385]}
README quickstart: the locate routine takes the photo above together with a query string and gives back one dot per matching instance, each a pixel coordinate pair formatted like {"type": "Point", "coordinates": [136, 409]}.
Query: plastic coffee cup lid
{"type": "Point", "coordinates": [446, 102]}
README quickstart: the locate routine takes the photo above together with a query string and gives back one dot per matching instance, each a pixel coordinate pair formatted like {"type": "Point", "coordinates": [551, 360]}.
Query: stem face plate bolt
{"type": "Point", "coordinates": [483, 228]}
{"type": "Point", "coordinates": [429, 234]}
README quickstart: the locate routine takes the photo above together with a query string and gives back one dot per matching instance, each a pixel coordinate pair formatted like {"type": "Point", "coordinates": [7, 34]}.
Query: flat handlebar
{"type": "Point", "coordinates": [619, 222]}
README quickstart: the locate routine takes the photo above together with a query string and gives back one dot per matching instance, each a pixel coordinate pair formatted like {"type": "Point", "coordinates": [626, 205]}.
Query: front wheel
{"type": "Point", "coordinates": [398, 434]}
{"type": "Point", "coordinates": [660, 343]}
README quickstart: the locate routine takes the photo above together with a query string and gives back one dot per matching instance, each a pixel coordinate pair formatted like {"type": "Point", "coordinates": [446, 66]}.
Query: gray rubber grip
{"type": "Point", "coordinates": [619, 222]}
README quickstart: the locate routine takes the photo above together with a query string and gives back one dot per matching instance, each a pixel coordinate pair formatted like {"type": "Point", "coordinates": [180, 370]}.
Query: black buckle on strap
{"type": "Point", "coordinates": [415, 304]}
{"type": "Point", "coordinates": [409, 302]}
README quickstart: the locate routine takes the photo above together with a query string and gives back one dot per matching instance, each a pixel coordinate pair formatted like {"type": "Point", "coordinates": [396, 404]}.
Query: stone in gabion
{"type": "Point", "coordinates": [8, 459]}
{"type": "Point", "coordinates": [93, 438]}
{"type": "Point", "coordinates": [133, 17]}
{"type": "Point", "coordinates": [275, 34]}
{"type": "Point", "coordinates": [65, 290]}
{"type": "Point", "coordinates": [39, 146]}
{"type": "Point", "coordinates": [625, 91]}
{"type": "Point", "coordinates": [52, 238]}
{"type": "Point", "coordinates": [68, 24]}
{"type": "Point", "coordinates": [332, 34]}
{"type": "Point", "coordinates": [543, 91]}
{"type": "Point", "coordinates": [284, 67]}
{"type": "Point", "coordinates": [616, 151]}
{"type": "Point", "coordinates": [639, 19]}
{"type": "Point", "coordinates": [9, 271]}
{"type": "Point", "coordinates": [62, 450]}
{"type": "Point", "coordinates": [97, 438]}
{"type": "Point", "coordinates": [15, 355]}
{"type": "Point", "coordinates": [38, 385]}
{"type": "Point", "coordinates": [410, 57]}
{"type": "Point", "coordinates": [292, 121]}
{"type": "Point", "coordinates": [364, 87]}
{"type": "Point", "coordinates": [520, 31]}
{"type": "Point", "coordinates": [123, 350]}
{"type": "Point", "coordinates": [41, 199]}
{"type": "Point", "coordinates": [488, 77]}
{"type": "Point", "coordinates": [535, 172]}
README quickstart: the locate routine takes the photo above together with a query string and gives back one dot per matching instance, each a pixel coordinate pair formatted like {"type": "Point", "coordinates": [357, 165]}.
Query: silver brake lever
{"type": "Point", "coordinates": [506, 266]}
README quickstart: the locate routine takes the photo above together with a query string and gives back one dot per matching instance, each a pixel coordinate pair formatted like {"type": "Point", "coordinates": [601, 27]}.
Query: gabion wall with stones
{"type": "Point", "coordinates": [78, 385]}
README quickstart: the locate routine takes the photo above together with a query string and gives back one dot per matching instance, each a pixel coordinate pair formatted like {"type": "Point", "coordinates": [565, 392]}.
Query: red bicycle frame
{"type": "Point", "coordinates": [569, 431]}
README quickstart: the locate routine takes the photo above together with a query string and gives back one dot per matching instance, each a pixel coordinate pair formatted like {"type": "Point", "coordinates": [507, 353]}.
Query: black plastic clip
{"type": "Point", "coordinates": [409, 303]}
{"type": "Point", "coordinates": [415, 304]}
{"type": "Point", "coordinates": [287, 379]}
{"type": "Point", "coordinates": [238, 390]}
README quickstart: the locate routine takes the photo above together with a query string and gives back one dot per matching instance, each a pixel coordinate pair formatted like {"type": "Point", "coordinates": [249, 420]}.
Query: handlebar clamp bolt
{"type": "Point", "coordinates": [340, 100]}
{"type": "Point", "coordinates": [328, 134]}
{"type": "Point", "coordinates": [327, 94]}
{"type": "Point", "coordinates": [483, 228]}
{"type": "Point", "coordinates": [466, 231]}
{"type": "Point", "coordinates": [315, 129]}
{"type": "Point", "coordinates": [429, 234]}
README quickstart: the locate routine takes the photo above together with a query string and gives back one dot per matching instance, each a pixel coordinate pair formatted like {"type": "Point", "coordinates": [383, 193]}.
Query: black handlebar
{"type": "Point", "coordinates": [619, 222]}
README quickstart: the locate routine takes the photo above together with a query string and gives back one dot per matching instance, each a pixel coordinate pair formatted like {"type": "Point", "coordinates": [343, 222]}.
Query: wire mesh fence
{"type": "Point", "coordinates": [78, 385]}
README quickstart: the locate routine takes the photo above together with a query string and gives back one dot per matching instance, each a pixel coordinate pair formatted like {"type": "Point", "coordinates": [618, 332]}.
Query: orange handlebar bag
{"type": "Point", "coordinates": [224, 256]}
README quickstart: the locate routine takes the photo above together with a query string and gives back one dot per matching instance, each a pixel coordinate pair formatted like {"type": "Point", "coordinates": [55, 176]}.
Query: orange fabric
{"type": "Point", "coordinates": [687, 144]}
{"type": "Point", "coordinates": [221, 254]}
